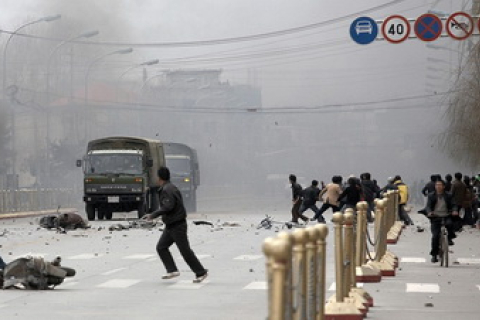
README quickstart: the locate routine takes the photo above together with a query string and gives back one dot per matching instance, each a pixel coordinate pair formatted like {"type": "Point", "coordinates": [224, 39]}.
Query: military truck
{"type": "Point", "coordinates": [120, 175]}
{"type": "Point", "coordinates": [184, 171]}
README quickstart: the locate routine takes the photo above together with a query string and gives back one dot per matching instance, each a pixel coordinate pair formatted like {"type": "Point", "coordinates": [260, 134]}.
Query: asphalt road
{"type": "Point", "coordinates": [118, 273]}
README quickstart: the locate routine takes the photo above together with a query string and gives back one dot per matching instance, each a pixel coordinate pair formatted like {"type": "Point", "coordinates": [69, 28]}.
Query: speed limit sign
{"type": "Point", "coordinates": [396, 29]}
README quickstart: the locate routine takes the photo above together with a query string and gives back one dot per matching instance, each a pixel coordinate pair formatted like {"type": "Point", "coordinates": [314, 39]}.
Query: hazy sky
{"type": "Point", "coordinates": [316, 67]}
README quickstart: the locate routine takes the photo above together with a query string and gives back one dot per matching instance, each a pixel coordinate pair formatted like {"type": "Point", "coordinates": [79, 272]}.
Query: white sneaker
{"type": "Point", "coordinates": [171, 275]}
{"type": "Point", "coordinates": [200, 278]}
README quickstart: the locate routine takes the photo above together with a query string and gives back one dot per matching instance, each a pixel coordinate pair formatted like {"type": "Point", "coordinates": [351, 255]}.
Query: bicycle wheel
{"type": "Point", "coordinates": [443, 250]}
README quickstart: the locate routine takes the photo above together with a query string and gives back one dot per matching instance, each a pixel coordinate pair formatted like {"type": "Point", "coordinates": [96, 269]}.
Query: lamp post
{"type": "Point", "coordinates": [4, 84]}
{"type": "Point", "coordinates": [146, 63]}
{"type": "Point", "coordinates": [122, 51]}
{"type": "Point", "coordinates": [44, 19]}
{"type": "Point", "coordinates": [49, 60]}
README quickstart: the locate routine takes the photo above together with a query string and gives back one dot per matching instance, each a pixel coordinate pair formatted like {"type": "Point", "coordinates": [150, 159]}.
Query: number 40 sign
{"type": "Point", "coordinates": [396, 29]}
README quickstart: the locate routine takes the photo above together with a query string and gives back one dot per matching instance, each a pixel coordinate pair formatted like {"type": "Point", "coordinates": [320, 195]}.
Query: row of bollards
{"type": "Point", "coordinates": [296, 265]}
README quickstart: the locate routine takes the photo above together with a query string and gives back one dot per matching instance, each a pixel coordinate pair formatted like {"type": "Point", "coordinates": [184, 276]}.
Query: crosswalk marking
{"type": "Point", "coordinates": [203, 256]}
{"type": "Point", "coordinates": [248, 257]}
{"type": "Point", "coordinates": [257, 285]}
{"type": "Point", "coordinates": [69, 284]}
{"type": "Point", "coordinates": [423, 287]}
{"type": "Point", "coordinates": [468, 261]}
{"type": "Point", "coordinates": [139, 256]}
{"type": "Point", "coordinates": [85, 256]}
{"type": "Point", "coordinates": [413, 260]}
{"type": "Point", "coordinates": [188, 284]}
{"type": "Point", "coordinates": [113, 271]}
{"type": "Point", "coordinates": [119, 283]}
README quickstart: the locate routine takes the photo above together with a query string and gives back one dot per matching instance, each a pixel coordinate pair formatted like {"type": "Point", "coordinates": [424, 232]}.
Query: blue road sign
{"type": "Point", "coordinates": [428, 27]}
{"type": "Point", "coordinates": [363, 30]}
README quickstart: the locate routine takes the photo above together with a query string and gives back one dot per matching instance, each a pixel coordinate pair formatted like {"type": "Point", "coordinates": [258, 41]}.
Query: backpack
{"type": "Point", "coordinates": [32, 273]}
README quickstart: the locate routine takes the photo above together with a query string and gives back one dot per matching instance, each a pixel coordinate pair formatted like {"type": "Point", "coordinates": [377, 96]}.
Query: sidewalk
{"type": "Point", "coordinates": [27, 214]}
{"type": "Point", "coordinates": [424, 290]}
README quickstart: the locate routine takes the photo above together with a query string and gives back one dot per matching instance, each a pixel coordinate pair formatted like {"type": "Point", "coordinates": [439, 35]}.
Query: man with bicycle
{"type": "Point", "coordinates": [440, 206]}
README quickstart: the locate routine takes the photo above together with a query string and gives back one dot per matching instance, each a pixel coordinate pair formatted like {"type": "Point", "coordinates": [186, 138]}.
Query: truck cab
{"type": "Point", "coordinates": [120, 175]}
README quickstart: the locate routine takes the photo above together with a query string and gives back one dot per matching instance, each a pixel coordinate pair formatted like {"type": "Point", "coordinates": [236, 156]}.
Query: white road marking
{"type": "Point", "coordinates": [188, 284]}
{"type": "Point", "coordinates": [112, 271]}
{"type": "Point", "coordinates": [333, 286]}
{"type": "Point", "coordinates": [257, 285]}
{"type": "Point", "coordinates": [478, 287]}
{"type": "Point", "coordinates": [413, 260]}
{"type": "Point", "coordinates": [153, 259]}
{"type": "Point", "coordinates": [85, 256]}
{"type": "Point", "coordinates": [139, 256]}
{"type": "Point", "coordinates": [468, 261]}
{"type": "Point", "coordinates": [3, 306]}
{"type": "Point", "coordinates": [248, 257]}
{"type": "Point", "coordinates": [423, 287]}
{"type": "Point", "coordinates": [31, 254]}
{"type": "Point", "coordinates": [203, 256]}
{"type": "Point", "coordinates": [118, 283]}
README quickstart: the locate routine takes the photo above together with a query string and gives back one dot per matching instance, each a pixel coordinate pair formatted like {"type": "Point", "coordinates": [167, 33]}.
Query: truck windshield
{"type": "Point", "coordinates": [178, 165]}
{"type": "Point", "coordinates": [114, 163]}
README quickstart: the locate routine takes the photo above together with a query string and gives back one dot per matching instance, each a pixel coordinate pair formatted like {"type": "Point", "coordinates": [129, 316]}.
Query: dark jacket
{"type": "Point", "coordinates": [369, 190]}
{"type": "Point", "coordinates": [459, 192]}
{"type": "Point", "coordinates": [296, 191]}
{"type": "Point", "coordinates": [171, 209]}
{"type": "Point", "coordinates": [351, 195]}
{"type": "Point", "coordinates": [429, 188]}
{"type": "Point", "coordinates": [310, 195]}
{"type": "Point", "coordinates": [432, 199]}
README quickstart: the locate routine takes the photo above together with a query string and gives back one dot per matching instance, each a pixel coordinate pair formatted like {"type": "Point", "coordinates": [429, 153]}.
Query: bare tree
{"type": "Point", "coordinates": [461, 139]}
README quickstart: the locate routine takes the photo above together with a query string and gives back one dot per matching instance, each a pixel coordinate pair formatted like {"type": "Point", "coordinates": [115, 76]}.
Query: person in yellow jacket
{"type": "Point", "coordinates": [402, 202]}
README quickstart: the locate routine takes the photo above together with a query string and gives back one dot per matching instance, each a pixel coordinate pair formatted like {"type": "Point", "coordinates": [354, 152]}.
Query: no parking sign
{"type": "Point", "coordinates": [428, 27]}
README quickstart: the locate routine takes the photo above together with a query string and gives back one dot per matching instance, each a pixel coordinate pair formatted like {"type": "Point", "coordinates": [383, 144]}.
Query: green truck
{"type": "Point", "coordinates": [184, 171]}
{"type": "Point", "coordinates": [120, 175]}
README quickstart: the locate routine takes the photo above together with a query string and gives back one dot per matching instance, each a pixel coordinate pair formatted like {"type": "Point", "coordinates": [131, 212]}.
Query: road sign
{"type": "Point", "coordinates": [460, 25]}
{"type": "Point", "coordinates": [396, 29]}
{"type": "Point", "coordinates": [428, 27]}
{"type": "Point", "coordinates": [363, 30]}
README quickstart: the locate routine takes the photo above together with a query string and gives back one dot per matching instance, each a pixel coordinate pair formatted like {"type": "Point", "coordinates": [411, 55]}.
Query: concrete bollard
{"type": "Point", "coordinates": [289, 278]}
{"type": "Point", "coordinates": [341, 308]}
{"type": "Point", "coordinates": [322, 231]}
{"type": "Point", "coordinates": [277, 253]}
{"type": "Point", "coordinates": [386, 268]}
{"type": "Point", "coordinates": [365, 272]}
{"type": "Point", "coordinates": [299, 270]}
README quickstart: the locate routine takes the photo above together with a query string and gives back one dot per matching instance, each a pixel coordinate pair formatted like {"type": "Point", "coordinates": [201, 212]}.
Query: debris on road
{"type": "Point", "coordinates": [138, 224]}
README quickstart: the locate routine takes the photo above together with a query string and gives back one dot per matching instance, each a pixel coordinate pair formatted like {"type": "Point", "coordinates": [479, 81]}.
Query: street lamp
{"type": "Point", "coordinates": [49, 60]}
{"type": "Point", "coordinates": [4, 81]}
{"type": "Point", "coordinates": [44, 19]}
{"type": "Point", "coordinates": [122, 51]}
{"type": "Point", "coordinates": [146, 63]}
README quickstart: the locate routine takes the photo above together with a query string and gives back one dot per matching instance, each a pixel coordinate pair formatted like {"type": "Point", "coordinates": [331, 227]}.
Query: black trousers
{"type": "Point", "coordinates": [296, 212]}
{"type": "Point", "coordinates": [325, 207]}
{"type": "Point", "coordinates": [178, 234]}
{"type": "Point", "coordinates": [435, 227]}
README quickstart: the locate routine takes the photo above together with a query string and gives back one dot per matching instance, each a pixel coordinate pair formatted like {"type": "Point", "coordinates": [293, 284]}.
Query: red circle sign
{"type": "Point", "coordinates": [464, 28]}
{"type": "Point", "coordinates": [428, 27]}
{"type": "Point", "coordinates": [396, 29]}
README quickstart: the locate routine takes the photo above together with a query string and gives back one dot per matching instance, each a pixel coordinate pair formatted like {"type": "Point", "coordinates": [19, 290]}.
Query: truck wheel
{"type": "Point", "coordinates": [90, 210]}
{"type": "Point", "coordinates": [108, 215]}
{"type": "Point", "coordinates": [141, 210]}
{"type": "Point", "coordinates": [100, 214]}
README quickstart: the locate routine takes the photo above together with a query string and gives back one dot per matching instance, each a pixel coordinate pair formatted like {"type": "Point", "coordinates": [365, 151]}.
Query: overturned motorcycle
{"type": "Point", "coordinates": [34, 273]}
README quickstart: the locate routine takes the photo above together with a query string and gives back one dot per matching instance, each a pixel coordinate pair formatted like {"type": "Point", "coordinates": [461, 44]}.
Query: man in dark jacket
{"type": "Point", "coordinates": [440, 205]}
{"type": "Point", "coordinates": [310, 198]}
{"type": "Point", "coordinates": [430, 186]}
{"type": "Point", "coordinates": [459, 193]}
{"type": "Point", "coordinates": [369, 192]}
{"type": "Point", "coordinates": [296, 199]}
{"type": "Point", "coordinates": [174, 216]}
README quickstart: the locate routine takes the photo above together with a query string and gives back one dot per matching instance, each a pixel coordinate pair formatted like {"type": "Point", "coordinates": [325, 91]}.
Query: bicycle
{"type": "Point", "coordinates": [268, 222]}
{"type": "Point", "coordinates": [443, 247]}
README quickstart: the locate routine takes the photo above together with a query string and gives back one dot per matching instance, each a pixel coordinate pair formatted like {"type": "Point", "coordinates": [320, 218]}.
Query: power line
{"type": "Point", "coordinates": [199, 43]}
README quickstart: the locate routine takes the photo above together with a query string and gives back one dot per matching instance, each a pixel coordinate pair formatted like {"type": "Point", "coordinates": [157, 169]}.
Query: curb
{"type": "Point", "coordinates": [28, 214]}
